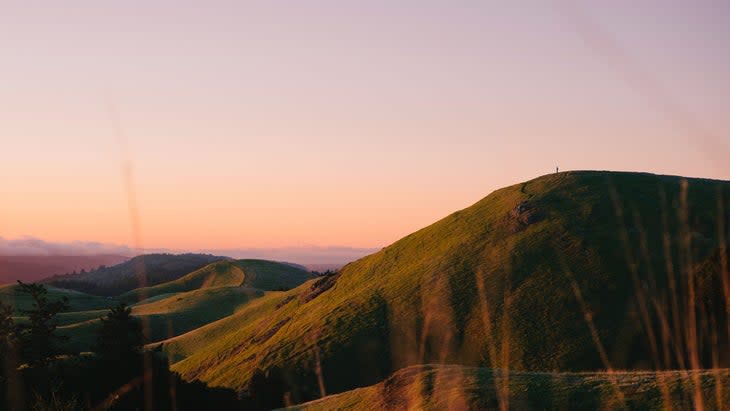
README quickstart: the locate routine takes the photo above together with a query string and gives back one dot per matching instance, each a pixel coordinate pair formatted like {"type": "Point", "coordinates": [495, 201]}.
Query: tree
{"type": "Point", "coordinates": [258, 389]}
{"type": "Point", "coordinates": [7, 329]}
{"type": "Point", "coordinates": [38, 340]}
{"type": "Point", "coordinates": [120, 340]}
{"type": "Point", "coordinates": [8, 341]}
{"type": "Point", "coordinates": [10, 381]}
{"type": "Point", "coordinates": [267, 389]}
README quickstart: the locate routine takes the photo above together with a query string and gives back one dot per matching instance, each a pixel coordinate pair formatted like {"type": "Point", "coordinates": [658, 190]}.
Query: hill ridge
{"type": "Point", "coordinates": [519, 255]}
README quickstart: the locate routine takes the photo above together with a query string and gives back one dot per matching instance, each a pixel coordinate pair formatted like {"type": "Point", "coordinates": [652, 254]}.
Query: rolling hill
{"type": "Point", "coordinates": [165, 317]}
{"type": "Point", "coordinates": [120, 278]}
{"type": "Point", "coordinates": [570, 272]}
{"type": "Point", "coordinates": [10, 294]}
{"type": "Point", "coordinates": [170, 309]}
{"type": "Point", "coordinates": [260, 274]}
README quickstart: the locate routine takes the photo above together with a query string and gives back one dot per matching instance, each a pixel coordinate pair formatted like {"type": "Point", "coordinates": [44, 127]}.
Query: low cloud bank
{"type": "Point", "coordinates": [301, 255]}
{"type": "Point", "coordinates": [305, 255]}
{"type": "Point", "coordinates": [29, 246]}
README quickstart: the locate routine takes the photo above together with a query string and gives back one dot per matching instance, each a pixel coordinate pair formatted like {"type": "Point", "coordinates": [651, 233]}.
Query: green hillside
{"type": "Point", "coordinates": [120, 278]}
{"type": "Point", "coordinates": [166, 317]}
{"type": "Point", "coordinates": [249, 316]}
{"type": "Point", "coordinates": [441, 387]}
{"type": "Point", "coordinates": [260, 274]}
{"type": "Point", "coordinates": [10, 294]}
{"type": "Point", "coordinates": [577, 271]}
{"type": "Point", "coordinates": [206, 295]}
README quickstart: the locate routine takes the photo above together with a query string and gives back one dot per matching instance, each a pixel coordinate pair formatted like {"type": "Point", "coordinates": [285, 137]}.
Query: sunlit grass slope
{"type": "Point", "coordinates": [575, 271]}
{"type": "Point", "coordinates": [167, 317]}
{"type": "Point", "coordinates": [182, 305]}
{"type": "Point", "coordinates": [247, 318]}
{"type": "Point", "coordinates": [434, 387]}
{"type": "Point", "coordinates": [261, 274]}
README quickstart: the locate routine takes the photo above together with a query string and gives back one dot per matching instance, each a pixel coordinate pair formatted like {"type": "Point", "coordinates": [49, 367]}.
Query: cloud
{"type": "Point", "coordinates": [30, 246]}
{"type": "Point", "coordinates": [36, 246]}
{"type": "Point", "coordinates": [301, 255]}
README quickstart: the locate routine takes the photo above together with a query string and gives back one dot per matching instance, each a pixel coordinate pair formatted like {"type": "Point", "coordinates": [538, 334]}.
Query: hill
{"type": "Point", "coordinates": [259, 274]}
{"type": "Point", "coordinates": [165, 317]}
{"type": "Point", "coordinates": [29, 268]}
{"type": "Point", "coordinates": [578, 271]}
{"type": "Point", "coordinates": [250, 320]}
{"type": "Point", "coordinates": [10, 294]}
{"type": "Point", "coordinates": [115, 280]}
{"type": "Point", "coordinates": [170, 309]}
{"type": "Point", "coordinates": [441, 387]}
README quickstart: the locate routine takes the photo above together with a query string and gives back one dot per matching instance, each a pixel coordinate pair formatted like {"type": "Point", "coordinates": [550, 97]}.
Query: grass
{"type": "Point", "coordinates": [10, 294]}
{"type": "Point", "coordinates": [261, 274]}
{"type": "Point", "coordinates": [496, 285]}
{"type": "Point", "coordinates": [172, 308]}
{"type": "Point", "coordinates": [440, 387]}
{"type": "Point", "coordinates": [114, 280]}
{"type": "Point", "coordinates": [185, 345]}
{"type": "Point", "coordinates": [166, 317]}
{"type": "Point", "coordinates": [561, 280]}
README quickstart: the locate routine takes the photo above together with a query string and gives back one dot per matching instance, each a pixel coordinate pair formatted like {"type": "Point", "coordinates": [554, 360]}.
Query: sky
{"type": "Point", "coordinates": [311, 123]}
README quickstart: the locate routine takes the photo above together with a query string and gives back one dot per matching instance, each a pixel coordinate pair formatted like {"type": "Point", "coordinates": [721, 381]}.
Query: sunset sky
{"type": "Point", "coordinates": [338, 123]}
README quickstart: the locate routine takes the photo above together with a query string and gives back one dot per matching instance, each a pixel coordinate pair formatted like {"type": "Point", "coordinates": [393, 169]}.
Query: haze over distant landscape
{"type": "Point", "coordinates": [276, 124]}
{"type": "Point", "coordinates": [364, 205]}
{"type": "Point", "coordinates": [30, 259]}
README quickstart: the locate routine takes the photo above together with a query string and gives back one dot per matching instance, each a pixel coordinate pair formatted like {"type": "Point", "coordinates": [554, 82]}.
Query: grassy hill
{"type": "Point", "coordinates": [211, 293]}
{"type": "Point", "coordinates": [260, 274]}
{"type": "Point", "coordinates": [441, 387]}
{"type": "Point", "coordinates": [120, 278]}
{"type": "Point", "coordinates": [10, 294]}
{"type": "Point", "coordinates": [166, 317]}
{"type": "Point", "coordinates": [578, 271]}
{"type": "Point", "coordinates": [250, 316]}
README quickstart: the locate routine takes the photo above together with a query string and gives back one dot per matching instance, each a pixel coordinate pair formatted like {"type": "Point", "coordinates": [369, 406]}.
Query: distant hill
{"type": "Point", "coordinates": [321, 268]}
{"type": "Point", "coordinates": [259, 274]}
{"type": "Point", "coordinates": [117, 279]}
{"type": "Point", "coordinates": [29, 268]}
{"type": "Point", "coordinates": [10, 294]}
{"type": "Point", "coordinates": [576, 271]}
{"type": "Point", "coordinates": [172, 308]}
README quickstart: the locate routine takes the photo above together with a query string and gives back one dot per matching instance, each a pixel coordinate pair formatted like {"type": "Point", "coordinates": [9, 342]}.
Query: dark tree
{"type": "Point", "coordinates": [8, 342]}
{"type": "Point", "coordinates": [257, 389]}
{"type": "Point", "coordinates": [7, 328]}
{"type": "Point", "coordinates": [38, 339]}
{"type": "Point", "coordinates": [120, 340]}
{"type": "Point", "coordinates": [10, 383]}
{"type": "Point", "coordinates": [267, 390]}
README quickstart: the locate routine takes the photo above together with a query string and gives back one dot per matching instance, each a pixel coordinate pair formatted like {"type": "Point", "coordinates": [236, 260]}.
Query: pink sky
{"type": "Point", "coordinates": [351, 123]}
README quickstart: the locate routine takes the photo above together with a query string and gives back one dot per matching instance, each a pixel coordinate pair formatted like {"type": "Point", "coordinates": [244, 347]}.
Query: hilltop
{"type": "Point", "coordinates": [259, 274]}
{"type": "Point", "coordinates": [577, 271]}
{"type": "Point", "coordinates": [120, 278]}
